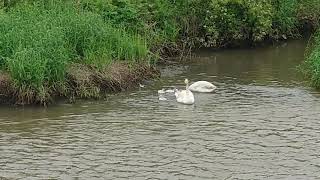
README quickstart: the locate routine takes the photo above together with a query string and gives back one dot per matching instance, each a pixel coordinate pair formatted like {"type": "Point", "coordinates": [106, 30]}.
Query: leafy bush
{"type": "Point", "coordinates": [213, 22]}
{"type": "Point", "coordinates": [309, 12]}
{"type": "Point", "coordinates": [231, 21]}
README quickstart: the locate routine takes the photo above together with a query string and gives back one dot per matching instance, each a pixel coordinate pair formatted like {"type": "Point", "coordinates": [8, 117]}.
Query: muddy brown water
{"type": "Point", "coordinates": [263, 122]}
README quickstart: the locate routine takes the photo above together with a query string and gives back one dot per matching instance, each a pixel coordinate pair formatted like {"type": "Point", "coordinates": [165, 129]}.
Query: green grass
{"type": "Point", "coordinates": [309, 13]}
{"type": "Point", "coordinates": [311, 66]}
{"type": "Point", "coordinates": [37, 44]}
{"type": "Point", "coordinates": [285, 17]}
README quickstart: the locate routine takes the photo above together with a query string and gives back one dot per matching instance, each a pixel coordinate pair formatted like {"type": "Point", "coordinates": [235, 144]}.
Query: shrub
{"type": "Point", "coordinates": [309, 12]}
{"type": "Point", "coordinates": [231, 21]}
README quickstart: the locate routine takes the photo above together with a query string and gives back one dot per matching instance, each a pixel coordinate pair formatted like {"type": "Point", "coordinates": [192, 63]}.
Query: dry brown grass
{"type": "Point", "coordinates": [82, 81]}
{"type": "Point", "coordinates": [5, 88]}
{"type": "Point", "coordinates": [88, 82]}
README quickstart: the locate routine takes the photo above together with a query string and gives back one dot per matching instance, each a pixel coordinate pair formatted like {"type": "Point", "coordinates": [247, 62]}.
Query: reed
{"type": "Point", "coordinates": [37, 44]}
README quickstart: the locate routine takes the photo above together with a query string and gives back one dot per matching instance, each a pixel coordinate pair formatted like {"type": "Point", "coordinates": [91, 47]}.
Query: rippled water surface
{"type": "Point", "coordinates": [261, 123]}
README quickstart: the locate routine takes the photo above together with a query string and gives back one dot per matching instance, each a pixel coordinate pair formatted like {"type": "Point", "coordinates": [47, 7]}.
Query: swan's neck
{"type": "Point", "coordinates": [187, 89]}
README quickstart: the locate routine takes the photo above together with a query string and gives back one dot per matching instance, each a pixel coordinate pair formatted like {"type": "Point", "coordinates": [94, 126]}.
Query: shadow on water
{"type": "Point", "coordinates": [261, 123]}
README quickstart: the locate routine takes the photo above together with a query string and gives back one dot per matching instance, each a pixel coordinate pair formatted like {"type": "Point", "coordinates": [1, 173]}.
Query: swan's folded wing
{"type": "Point", "coordinates": [210, 86]}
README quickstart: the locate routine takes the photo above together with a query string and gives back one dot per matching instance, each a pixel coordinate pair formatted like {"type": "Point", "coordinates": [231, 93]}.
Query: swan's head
{"type": "Point", "coordinates": [186, 81]}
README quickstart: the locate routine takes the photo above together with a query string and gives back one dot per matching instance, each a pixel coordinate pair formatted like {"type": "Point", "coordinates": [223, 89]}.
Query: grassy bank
{"type": "Point", "coordinates": [38, 43]}
{"type": "Point", "coordinates": [311, 66]}
{"type": "Point", "coordinates": [310, 14]}
{"type": "Point", "coordinates": [43, 41]}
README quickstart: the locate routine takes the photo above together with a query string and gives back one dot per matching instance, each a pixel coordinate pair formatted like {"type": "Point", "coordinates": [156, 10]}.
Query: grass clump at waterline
{"type": "Point", "coordinates": [38, 44]}
{"type": "Point", "coordinates": [311, 66]}
{"type": "Point", "coordinates": [309, 14]}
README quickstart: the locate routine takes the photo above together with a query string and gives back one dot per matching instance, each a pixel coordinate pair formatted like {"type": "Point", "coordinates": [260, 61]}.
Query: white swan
{"type": "Point", "coordinates": [161, 91]}
{"type": "Point", "coordinates": [169, 91]}
{"type": "Point", "coordinates": [184, 96]}
{"type": "Point", "coordinates": [202, 86]}
{"type": "Point", "coordinates": [162, 98]}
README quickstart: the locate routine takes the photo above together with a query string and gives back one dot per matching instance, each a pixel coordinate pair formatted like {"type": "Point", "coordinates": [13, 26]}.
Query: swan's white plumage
{"type": "Point", "coordinates": [184, 96]}
{"type": "Point", "coordinates": [162, 91]}
{"type": "Point", "coordinates": [161, 98]}
{"type": "Point", "coordinates": [202, 86]}
{"type": "Point", "coordinates": [169, 91]}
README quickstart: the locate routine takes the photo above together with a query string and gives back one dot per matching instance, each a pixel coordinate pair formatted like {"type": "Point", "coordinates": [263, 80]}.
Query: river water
{"type": "Point", "coordinates": [263, 122]}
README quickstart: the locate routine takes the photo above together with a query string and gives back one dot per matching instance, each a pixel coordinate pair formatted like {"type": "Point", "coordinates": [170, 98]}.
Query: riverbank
{"type": "Point", "coordinates": [52, 48]}
{"type": "Point", "coordinates": [82, 81]}
{"type": "Point", "coordinates": [311, 66]}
